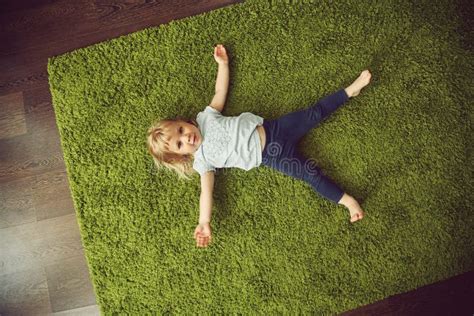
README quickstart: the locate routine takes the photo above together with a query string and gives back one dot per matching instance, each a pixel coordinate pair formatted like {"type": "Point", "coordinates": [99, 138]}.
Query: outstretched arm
{"type": "Point", "coordinates": [205, 201]}
{"type": "Point", "coordinates": [222, 81]}
{"type": "Point", "coordinates": [203, 232]}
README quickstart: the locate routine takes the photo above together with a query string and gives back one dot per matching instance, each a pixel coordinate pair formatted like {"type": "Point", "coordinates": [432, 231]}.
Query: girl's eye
{"type": "Point", "coordinates": [180, 130]}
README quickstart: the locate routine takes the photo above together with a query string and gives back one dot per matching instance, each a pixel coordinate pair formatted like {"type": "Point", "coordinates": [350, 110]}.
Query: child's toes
{"type": "Point", "coordinates": [357, 217]}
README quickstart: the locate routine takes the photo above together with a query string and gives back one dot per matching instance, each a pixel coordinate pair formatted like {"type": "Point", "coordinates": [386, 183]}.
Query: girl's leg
{"type": "Point", "coordinates": [288, 161]}
{"type": "Point", "coordinates": [280, 154]}
{"type": "Point", "coordinates": [293, 126]}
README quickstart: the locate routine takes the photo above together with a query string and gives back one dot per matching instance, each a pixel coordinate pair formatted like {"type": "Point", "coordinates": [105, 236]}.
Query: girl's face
{"type": "Point", "coordinates": [184, 138]}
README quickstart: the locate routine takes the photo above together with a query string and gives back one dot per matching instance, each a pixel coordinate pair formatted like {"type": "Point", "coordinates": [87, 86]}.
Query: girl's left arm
{"type": "Point", "coordinates": [222, 81]}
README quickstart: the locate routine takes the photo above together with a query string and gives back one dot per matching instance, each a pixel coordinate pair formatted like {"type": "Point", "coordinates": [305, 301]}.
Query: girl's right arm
{"type": "Point", "coordinates": [205, 202]}
{"type": "Point", "coordinates": [202, 233]}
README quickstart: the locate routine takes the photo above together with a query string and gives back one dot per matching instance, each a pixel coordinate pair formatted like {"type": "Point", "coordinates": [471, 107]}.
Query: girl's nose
{"type": "Point", "coordinates": [187, 138]}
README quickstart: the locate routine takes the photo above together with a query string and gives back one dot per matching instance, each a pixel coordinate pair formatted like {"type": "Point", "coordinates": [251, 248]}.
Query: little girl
{"type": "Point", "coordinates": [246, 141]}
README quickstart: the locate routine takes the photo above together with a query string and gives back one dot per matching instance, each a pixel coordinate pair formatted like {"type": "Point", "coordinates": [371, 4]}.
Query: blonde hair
{"type": "Point", "coordinates": [158, 147]}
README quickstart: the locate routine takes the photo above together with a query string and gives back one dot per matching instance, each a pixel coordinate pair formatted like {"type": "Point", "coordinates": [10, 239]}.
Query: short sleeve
{"type": "Point", "coordinates": [202, 167]}
{"type": "Point", "coordinates": [208, 111]}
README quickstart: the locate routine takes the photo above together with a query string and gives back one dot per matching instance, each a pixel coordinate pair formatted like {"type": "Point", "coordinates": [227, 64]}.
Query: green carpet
{"type": "Point", "coordinates": [402, 148]}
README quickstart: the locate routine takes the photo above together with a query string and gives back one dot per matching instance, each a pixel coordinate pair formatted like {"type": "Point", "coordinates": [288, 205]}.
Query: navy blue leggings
{"type": "Point", "coordinates": [283, 134]}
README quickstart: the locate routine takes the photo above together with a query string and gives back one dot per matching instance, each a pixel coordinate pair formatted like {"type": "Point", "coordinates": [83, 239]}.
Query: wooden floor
{"type": "Point", "coordinates": [42, 264]}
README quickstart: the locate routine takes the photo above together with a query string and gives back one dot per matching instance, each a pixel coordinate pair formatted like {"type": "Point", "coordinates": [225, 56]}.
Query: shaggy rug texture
{"type": "Point", "coordinates": [402, 148]}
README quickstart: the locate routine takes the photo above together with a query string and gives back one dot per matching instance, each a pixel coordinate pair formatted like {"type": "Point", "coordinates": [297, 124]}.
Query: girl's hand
{"type": "Point", "coordinates": [202, 234]}
{"type": "Point", "coordinates": [220, 55]}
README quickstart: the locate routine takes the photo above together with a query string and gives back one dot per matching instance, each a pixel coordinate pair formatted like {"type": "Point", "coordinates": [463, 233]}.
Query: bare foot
{"type": "Point", "coordinates": [363, 80]}
{"type": "Point", "coordinates": [354, 208]}
{"type": "Point", "coordinates": [356, 214]}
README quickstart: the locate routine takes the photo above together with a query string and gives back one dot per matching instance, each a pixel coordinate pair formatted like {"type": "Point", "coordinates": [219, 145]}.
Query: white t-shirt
{"type": "Point", "coordinates": [227, 141]}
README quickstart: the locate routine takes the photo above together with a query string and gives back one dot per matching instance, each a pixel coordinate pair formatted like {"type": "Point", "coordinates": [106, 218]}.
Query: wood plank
{"type": "Point", "coordinates": [453, 296]}
{"type": "Point", "coordinates": [24, 293]}
{"type": "Point", "coordinates": [24, 30]}
{"type": "Point", "coordinates": [12, 116]}
{"type": "Point", "coordinates": [69, 25]}
{"type": "Point", "coordinates": [16, 203]}
{"type": "Point", "coordinates": [59, 239]}
{"type": "Point", "coordinates": [29, 155]}
{"type": "Point", "coordinates": [20, 78]}
{"type": "Point", "coordinates": [39, 111]}
{"type": "Point", "coordinates": [123, 17]}
{"type": "Point", "coordinates": [51, 195]}
{"type": "Point", "coordinates": [92, 310]}
{"type": "Point", "coordinates": [40, 243]}
{"type": "Point", "coordinates": [69, 284]}
{"type": "Point", "coordinates": [40, 149]}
